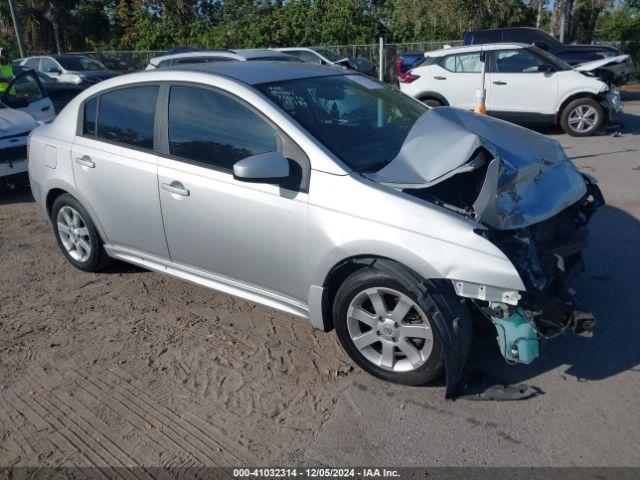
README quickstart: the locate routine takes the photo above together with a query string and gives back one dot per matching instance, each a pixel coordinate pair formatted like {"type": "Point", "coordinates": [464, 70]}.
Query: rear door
{"type": "Point", "coordinates": [520, 85]}
{"type": "Point", "coordinates": [116, 168]}
{"type": "Point", "coordinates": [457, 77]}
{"type": "Point", "coordinates": [25, 93]}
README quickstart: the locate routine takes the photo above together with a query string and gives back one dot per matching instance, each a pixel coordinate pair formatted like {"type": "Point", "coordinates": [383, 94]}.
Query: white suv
{"type": "Point", "coordinates": [524, 84]}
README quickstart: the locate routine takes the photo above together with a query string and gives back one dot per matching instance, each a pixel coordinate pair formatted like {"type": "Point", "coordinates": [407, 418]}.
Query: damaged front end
{"type": "Point", "coordinates": [534, 206]}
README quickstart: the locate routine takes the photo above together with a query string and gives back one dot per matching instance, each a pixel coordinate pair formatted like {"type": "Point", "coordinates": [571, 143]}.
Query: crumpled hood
{"type": "Point", "coordinates": [529, 179]}
{"type": "Point", "coordinates": [605, 62]}
{"type": "Point", "coordinates": [13, 122]}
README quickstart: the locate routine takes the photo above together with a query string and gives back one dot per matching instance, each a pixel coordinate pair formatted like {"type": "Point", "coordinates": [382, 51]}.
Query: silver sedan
{"type": "Point", "coordinates": [327, 195]}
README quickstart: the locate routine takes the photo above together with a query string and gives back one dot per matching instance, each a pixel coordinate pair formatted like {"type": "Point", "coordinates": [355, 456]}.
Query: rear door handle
{"type": "Point", "coordinates": [85, 161]}
{"type": "Point", "coordinates": [176, 188]}
{"type": "Point", "coordinates": [438, 77]}
{"type": "Point", "coordinates": [499, 82]}
{"type": "Point", "coordinates": [45, 109]}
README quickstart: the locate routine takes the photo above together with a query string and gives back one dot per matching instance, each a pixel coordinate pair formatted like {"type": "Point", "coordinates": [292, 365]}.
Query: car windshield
{"type": "Point", "coordinates": [552, 59]}
{"type": "Point", "coordinates": [362, 121]}
{"type": "Point", "coordinates": [328, 54]}
{"type": "Point", "coordinates": [79, 64]}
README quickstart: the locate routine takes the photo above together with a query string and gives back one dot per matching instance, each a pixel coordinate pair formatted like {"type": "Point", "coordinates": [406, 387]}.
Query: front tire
{"type": "Point", "coordinates": [582, 117]}
{"type": "Point", "coordinates": [77, 235]}
{"type": "Point", "coordinates": [385, 328]}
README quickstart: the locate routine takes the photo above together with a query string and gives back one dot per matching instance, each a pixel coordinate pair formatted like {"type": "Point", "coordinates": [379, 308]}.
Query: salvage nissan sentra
{"type": "Point", "coordinates": [330, 196]}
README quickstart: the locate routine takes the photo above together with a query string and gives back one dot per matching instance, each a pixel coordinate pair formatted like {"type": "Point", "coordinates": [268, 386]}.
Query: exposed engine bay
{"type": "Point", "coordinates": [534, 204]}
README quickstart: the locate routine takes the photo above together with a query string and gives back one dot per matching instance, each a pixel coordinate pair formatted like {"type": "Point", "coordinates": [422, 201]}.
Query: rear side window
{"type": "Point", "coordinates": [463, 63]}
{"type": "Point", "coordinates": [32, 63]}
{"type": "Point", "coordinates": [90, 113]}
{"type": "Point", "coordinates": [127, 116]}
{"type": "Point", "coordinates": [214, 129]}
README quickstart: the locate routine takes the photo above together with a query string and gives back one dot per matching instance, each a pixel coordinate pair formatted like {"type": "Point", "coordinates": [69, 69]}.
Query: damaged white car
{"type": "Point", "coordinates": [523, 84]}
{"type": "Point", "coordinates": [23, 105]}
{"type": "Point", "coordinates": [329, 196]}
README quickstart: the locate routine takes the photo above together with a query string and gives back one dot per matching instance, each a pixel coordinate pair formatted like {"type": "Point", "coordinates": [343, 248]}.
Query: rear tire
{"type": "Point", "coordinates": [404, 347]}
{"type": "Point", "coordinates": [582, 117]}
{"type": "Point", "coordinates": [432, 102]}
{"type": "Point", "coordinates": [77, 235]}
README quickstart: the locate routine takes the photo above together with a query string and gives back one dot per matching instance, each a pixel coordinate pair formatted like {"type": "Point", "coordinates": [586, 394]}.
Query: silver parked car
{"type": "Point", "coordinates": [327, 195]}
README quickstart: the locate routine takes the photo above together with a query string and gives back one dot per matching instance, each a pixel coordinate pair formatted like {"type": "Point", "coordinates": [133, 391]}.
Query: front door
{"type": "Point", "coordinates": [520, 85]}
{"type": "Point", "coordinates": [116, 169]}
{"type": "Point", "coordinates": [25, 93]}
{"type": "Point", "coordinates": [248, 232]}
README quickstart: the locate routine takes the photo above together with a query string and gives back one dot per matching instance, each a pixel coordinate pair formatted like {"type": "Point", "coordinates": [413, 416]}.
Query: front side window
{"type": "Point", "coordinates": [127, 116]}
{"type": "Point", "coordinates": [49, 65]}
{"type": "Point", "coordinates": [214, 129]}
{"type": "Point", "coordinates": [362, 121]}
{"type": "Point", "coordinates": [516, 61]}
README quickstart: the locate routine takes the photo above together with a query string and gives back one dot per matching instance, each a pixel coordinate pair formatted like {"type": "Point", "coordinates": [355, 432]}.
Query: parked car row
{"type": "Point", "coordinates": [524, 83]}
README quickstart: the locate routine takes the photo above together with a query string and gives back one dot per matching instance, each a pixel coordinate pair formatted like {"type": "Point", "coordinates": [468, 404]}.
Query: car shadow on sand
{"type": "Point", "coordinates": [609, 286]}
{"type": "Point", "coordinates": [16, 195]}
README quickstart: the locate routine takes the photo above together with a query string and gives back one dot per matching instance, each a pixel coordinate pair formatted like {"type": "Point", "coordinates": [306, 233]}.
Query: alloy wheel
{"type": "Point", "coordinates": [389, 329]}
{"type": "Point", "coordinates": [74, 234]}
{"type": "Point", "coordinates": [582, 118]}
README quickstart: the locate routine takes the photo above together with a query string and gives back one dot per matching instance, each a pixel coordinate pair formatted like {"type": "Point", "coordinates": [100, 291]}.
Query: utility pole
{"type": "Point", "coordinates": [16, 26]}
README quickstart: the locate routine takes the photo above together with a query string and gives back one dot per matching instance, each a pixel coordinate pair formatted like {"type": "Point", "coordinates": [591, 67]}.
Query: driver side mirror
{"type": "Point", "coordinates": [268, 167]}
{"type": "Point", "coordinates": [54, 70]}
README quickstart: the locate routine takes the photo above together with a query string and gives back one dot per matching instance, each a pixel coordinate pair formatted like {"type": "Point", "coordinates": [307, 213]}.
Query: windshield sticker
{"type": "Point", "coordinates": [365, 82]}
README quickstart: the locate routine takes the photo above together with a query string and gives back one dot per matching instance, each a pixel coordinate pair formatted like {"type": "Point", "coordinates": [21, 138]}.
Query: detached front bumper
{"type": "Point", "coordinates": [546, 255]}
{"type": "Point", "coordinates": [613, 106]}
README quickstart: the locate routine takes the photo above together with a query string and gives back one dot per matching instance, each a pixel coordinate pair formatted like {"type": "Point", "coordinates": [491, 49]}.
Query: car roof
{"type": "Point", "coordinates": [238, 54]}
{"type": "Point", "coordinates": [250, 53]}
{"type": "Point", "coordinates": [475, 48]}
{"type": "Point", "coordinates": [503, 29]}
{"type": "Point", "coordinates": [263, 71]}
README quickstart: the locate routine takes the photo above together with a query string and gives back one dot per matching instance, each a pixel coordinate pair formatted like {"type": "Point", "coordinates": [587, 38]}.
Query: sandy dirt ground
{"type": "Point", "coordinates": [129, 367]}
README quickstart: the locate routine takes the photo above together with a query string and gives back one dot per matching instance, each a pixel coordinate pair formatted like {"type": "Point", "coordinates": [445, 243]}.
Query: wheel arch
{"type": "Point", "coordinates": [432, 95]}
{"type": "Point", "coordinates": [340, 271]}
{"type": "Point", "coordinates": [456, 330]}
{"type": "Point", "coordinates": [57, 189]}
{"type": "Point", "coordinates": [574, 96]}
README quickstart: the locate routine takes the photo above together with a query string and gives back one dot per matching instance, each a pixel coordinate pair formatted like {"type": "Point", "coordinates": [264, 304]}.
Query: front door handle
{"type": "Point", "coordinates": [499, 82]}
{"type": "Point", "coordinates": [45, 109]}
{"type": "Point", "coordinates": [85, 161]}
{"type": "Point", "coordinates": [440, 78]}
{"type": "Point", "coordinates": [176, 188]}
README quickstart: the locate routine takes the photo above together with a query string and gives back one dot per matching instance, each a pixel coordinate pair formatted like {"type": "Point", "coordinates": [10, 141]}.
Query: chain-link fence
{"type": "Point", "coordinates": [138, 60]}
{"type": "Point", "coordinates": [390, 53]}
